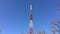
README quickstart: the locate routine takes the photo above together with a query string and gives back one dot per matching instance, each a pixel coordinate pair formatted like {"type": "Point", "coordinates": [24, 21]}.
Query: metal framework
{"type": "Point", "coordinates": [31, 24]}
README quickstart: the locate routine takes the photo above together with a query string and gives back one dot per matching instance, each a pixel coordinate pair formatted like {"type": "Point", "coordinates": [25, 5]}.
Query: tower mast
{"type": "Point", "coordinates": [31, 24]}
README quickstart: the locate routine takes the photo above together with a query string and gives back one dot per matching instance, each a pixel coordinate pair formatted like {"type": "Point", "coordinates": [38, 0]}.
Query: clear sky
{"type": "Point", "coordinates": [15, 14]}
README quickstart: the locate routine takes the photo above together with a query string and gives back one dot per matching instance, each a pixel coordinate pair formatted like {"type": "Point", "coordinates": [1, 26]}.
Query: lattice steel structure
{"type": "Point", "coordinates": [31, 24]}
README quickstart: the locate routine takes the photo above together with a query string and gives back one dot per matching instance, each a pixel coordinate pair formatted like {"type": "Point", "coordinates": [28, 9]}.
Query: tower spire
{"type": "Point", "coordinates": [31, 16]}
{"type": "Point", "coordinates": [31, 24]}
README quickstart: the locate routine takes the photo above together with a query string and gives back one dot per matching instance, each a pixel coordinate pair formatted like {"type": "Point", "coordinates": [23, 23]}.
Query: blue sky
{"type": "Point", "coordinates": [14, 15]}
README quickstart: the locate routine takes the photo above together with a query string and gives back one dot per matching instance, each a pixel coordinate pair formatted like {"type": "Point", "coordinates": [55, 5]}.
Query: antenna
{"type": "Point", "coordinates": [31, 23]}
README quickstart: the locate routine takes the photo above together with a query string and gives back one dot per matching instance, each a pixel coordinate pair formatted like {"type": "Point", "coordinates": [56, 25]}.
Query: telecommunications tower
{"type": "Point", "coordinates": [31, 24]}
